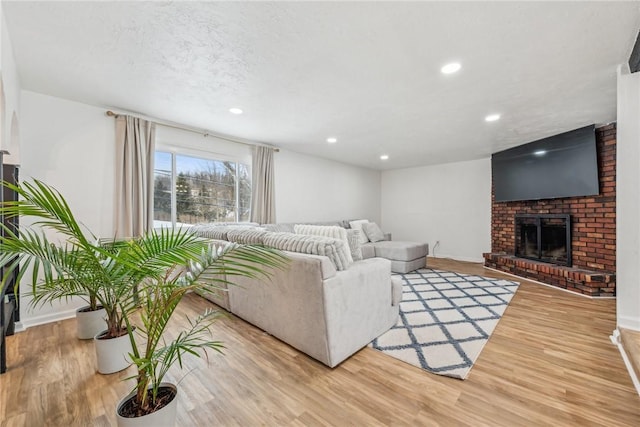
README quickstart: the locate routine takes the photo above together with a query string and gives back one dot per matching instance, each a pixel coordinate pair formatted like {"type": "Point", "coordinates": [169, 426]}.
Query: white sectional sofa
{"type": "Point", "coordinates": [329, 313]}
{"type": "Point", "coordinates": [404, 256]}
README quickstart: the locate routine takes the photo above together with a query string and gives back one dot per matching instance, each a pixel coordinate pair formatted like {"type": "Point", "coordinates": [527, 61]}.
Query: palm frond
{"type": "Point", "coordinates": [148, 275]}
{"type": "Point", "coordinates": [251, 261]}
{"type": "Point", "coordinates": [46, 205]}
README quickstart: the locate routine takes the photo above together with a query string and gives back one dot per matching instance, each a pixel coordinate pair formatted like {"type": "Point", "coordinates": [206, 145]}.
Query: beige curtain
{"type": "Point", "coordinates": [135, 145]}
{"type": "Point", "coordinates": [263, 199]}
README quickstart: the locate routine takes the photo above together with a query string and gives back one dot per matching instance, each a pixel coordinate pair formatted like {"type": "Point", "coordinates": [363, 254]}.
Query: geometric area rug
{"type": "Point", "coordinates": [445, 320]}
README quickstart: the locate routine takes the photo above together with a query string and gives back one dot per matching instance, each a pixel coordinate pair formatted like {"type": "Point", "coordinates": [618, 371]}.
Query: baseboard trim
{"type": "Point", "coordinates": [44, 319]}
{"type": "Point", "coordinates": [628, 322]}
{"type": "Point", "coordinates": [457, 258]}
{"type": "Point", "coordinates": [615, 339]}
{"type": "Point", "coordinates": [547, 285]}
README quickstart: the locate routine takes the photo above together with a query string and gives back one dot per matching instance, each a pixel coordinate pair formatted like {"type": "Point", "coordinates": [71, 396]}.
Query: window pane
{"type": "Point", "coordinates": [244, 190]}
{"type": "Point", "coordinates": [162, 189]}
{"type": "Point", "coordinates": [205, 190]}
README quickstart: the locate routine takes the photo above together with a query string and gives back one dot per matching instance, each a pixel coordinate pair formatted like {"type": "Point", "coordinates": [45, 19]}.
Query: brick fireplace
{"type": "Point", "coordinates": [593, 232]}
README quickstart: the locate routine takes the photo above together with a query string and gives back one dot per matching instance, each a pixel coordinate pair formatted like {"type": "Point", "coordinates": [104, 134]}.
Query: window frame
{"type": "Point", "coordinates": [204, 155]}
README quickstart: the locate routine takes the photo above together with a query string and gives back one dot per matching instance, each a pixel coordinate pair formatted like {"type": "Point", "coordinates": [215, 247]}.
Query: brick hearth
{"type": "Point", "coordinates": [586, 282]}
{"type": "Point", "coordinates": [593, 231]}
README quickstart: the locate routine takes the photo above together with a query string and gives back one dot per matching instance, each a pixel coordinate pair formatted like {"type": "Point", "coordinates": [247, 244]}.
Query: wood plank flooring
{"type": "Point", "coordinates": [631, 343]}
{"type": "Point", "coordinates": [549, 362]}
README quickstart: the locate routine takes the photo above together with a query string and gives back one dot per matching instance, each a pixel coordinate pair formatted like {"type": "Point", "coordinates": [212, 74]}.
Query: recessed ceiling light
{"type": "Point", "coordinates": [492, 118]}
{"type": "Point", "coordinates": [540, 152]}
{"type": "Point", "coordinates": [235, 110]}
{"type": "Point", "coordinates": [451, 68]}
{"type": "Point", "coordinates": [384, 157]}
{"type": "Point", "coordinates": [332, 140]}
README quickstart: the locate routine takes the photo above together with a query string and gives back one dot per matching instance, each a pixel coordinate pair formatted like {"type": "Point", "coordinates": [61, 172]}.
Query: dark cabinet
{"type": "Point", "coordinates": [9, 301]}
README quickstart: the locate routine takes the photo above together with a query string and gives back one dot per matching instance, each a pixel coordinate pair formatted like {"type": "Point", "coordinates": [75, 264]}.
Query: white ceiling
{"type": "Point", "coordinates": [367, 73]}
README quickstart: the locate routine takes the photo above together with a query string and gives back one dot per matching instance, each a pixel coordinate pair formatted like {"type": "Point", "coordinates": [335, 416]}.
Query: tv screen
{"type": "Point", "coordinates": [564, 165]}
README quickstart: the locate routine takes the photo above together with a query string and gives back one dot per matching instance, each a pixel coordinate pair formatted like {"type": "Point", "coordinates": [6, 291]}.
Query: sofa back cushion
{"type": "Point", "coordinates": [217, 231]}
{"type": "Point", "coordinates": [247, 237]}
{"type": "Point", "coordinates": [279, 228]}
{"type": "Point", "coordinates": [211, 231]}
{"type": "Point", "coordinates": [333, 249]}
{"type": "Point", "coordinates": [333, 232]}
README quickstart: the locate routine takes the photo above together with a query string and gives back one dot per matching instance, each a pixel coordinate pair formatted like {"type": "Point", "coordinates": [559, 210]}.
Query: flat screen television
{"type": "Point", "coordinates": [564, 165]}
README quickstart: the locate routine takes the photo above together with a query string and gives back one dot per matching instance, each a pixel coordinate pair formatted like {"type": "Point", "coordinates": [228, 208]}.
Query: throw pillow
{"type": "Point", "coordinates": [353, 237]}
{"type": "Point", "coordinates": [373, 232]}
{"type": "Point", "coordinates": [357, 225]}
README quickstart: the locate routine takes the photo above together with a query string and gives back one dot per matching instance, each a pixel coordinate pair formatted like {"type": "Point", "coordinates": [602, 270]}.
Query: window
{"type": "Point", "coordinates": [189, 190]}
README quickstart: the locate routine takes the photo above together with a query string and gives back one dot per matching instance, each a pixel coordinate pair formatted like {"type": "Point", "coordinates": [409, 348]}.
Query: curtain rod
{"type": "Point", "coordinates": [194, 130]}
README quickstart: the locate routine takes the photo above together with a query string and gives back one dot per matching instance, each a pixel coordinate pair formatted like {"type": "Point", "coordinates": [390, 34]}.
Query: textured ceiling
{"type": "Point", "coordinates": [367, 73]}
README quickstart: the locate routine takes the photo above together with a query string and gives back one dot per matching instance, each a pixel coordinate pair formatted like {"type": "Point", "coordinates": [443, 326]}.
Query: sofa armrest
{"type": "Point", "coordinates": [358, 306]}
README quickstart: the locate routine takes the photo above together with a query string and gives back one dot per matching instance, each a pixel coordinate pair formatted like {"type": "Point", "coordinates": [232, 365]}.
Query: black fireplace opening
{"type": "Point", "coordinates": [544, 237]}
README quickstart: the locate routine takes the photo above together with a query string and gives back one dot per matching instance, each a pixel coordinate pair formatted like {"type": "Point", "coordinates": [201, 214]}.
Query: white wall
{"type": "Point", "coordinates": [628, 202]}
{"type": "Point", "coordinates": [70, 146]}
{"type": "Point", "coordinates": [196, 144]}
{"type": "Point", "coordinates": [11, 89]}
{"type": "Point", "coordinates": [450, 203]}
{"type": "Point", "coordinates": [314, 189]}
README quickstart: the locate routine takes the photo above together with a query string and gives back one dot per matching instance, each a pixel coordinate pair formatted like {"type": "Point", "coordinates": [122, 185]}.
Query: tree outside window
{"type": "Point", "coordinates": [206, 190]}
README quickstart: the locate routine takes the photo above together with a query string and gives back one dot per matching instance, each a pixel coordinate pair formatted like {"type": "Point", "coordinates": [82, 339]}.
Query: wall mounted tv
{"type": "Point", "coordinates": [564, 165]}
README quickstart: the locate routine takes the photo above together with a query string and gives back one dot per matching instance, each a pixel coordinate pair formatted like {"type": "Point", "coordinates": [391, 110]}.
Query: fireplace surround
{"type": "Point", "coordinates": [593, 232]}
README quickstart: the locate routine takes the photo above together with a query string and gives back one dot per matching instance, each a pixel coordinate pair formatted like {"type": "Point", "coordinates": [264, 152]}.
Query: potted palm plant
{"type": "Point", "coordinates": [153, 401]}
{"type": "Point", "coordinates": [72, 262]}
{"type": "Point", "coordinates": [144, 277]}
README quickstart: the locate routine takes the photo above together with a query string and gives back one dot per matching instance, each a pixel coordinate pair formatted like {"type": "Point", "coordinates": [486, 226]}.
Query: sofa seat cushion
{"type": "Point", "coordinates": [400, 251]}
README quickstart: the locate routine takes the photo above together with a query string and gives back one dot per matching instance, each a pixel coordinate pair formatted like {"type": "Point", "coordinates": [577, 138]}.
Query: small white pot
{"type": "Point", "coordinates": [90, 323]}
{"type": "Point", "coordinates": [112, 353]}
{"type": "Point", "coordinates": [164, 417]}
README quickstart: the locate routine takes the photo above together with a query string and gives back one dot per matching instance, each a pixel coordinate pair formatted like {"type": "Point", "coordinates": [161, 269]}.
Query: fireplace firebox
{"type": "Point", "coordinates": [544, 237]}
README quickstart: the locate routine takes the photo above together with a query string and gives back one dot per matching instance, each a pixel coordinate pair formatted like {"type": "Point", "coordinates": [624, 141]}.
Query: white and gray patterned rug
{"type": "Point", "coordinates": [445, 320]}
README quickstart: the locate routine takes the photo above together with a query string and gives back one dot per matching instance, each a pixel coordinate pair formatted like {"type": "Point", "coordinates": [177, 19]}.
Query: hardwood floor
{"type": "Point", "coordinates": [631, 344]}
{"type": "Point", "coordinates": [549, 362]}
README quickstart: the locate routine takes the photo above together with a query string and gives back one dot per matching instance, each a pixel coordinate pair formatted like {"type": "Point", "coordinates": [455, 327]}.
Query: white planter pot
{"type": "Point", "coordinates": [165, 417]}
{"type": "Point", "coordinates": [112, 353]}
{"type": "Point", "coordinates": [90, 323]}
